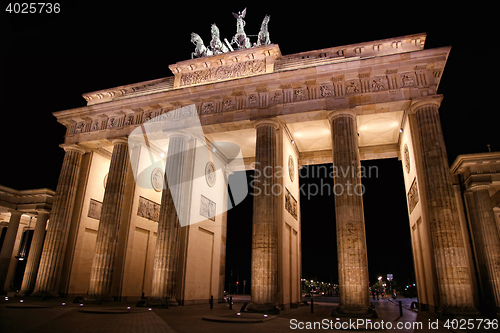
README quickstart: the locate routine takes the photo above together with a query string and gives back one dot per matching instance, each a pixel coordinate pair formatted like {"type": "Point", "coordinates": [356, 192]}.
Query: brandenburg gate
{"type": "Point", "coordinates": [126, 224]}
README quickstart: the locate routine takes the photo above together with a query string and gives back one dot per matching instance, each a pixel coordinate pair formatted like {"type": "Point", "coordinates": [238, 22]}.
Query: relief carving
{"type": "Point", "coordinates": [325, 91]}
{"type": "Point", "coordinates": [290, 204]}
{"type": "Point", "coordinates": [79, 127]}
{"type": "Point", "coordinates": [379, 83]}
{"type": "Point", "coordinates": [407, 80]}
{"type": "Point", "coordinates": [413, 195]}
{"type": "Point", "coordinates": [95, 125]}
{"type": "Point", "coordinates": [207, 208]}
{"type": "Point", "coordinates": [95, 209]}
{"type": "Point", "coordinates": [298, 94]}
{"type": "Point", "coordinates": [352, 87]}
{"type": "Point", "coordinates": [148, 209]}
{"type": "Point", "coordinates": [129, 120]}
{"type": "Point", "coordinates": [224, 72]}
{"type": "Point", "coordinates": [277, 97]}
{"type": "Point", "coordinates": [208, 108]}
{"type": "Point", "coordinates": [253, 100]}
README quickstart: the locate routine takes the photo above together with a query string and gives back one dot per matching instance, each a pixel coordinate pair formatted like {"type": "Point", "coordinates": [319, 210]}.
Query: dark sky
{"type": "Point", "coordinates": [49, 60]}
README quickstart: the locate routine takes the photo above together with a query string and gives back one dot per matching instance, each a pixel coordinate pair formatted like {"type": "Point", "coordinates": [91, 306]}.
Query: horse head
{"type": "Point", "coordinates": [215, 31]}
{"type": "Point", "coordinates": [196, 39]}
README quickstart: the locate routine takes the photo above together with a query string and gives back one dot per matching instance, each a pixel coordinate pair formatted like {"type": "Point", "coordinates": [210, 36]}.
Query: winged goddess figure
{"type": "Point", "coordinates": [241, 38]}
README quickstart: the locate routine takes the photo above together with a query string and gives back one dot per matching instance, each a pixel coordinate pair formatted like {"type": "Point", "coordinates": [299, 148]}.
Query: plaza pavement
{"type": "Point", "coordinates": [54, 317]}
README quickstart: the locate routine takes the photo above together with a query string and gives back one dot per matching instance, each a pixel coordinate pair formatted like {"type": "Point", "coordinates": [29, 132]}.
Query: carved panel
{"type": "Point", "coordinates": [207, 208]}
{"type": "Point", "coordinates": [406, 156]}
{"type": "Point", "coordinates": [413, 195]}
{"type": "Point", "coordinates": [224, 72]}
{"type": "Point", "coordinates": [352, 87]}
{"type": "Point", "coordinates": [95, 209]}
{"type": "Point", "coordinates": [408, 80]}
{"type": "Point", "coordinates": [252, 100]}
{"type": "Point", "coordinates": [148, 209]}
{"type": "Point", "coordinates": [379, 83]}
{"type": "Point", "coordinates": [290, 204]}
{"type": "Point", "coordinates": [277, 97]}
{"type": "Point", "coordinates": [299, 94]}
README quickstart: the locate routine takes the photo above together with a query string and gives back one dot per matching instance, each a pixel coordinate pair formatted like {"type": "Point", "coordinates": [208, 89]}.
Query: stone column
{"type": "Point", "coordinates": [169, 229]}
{"type": "Point", "coordinates": [49, 270]}
{"type": "Point", "coordinates": [351, 238]}
{"type": "Point", "coordinates": [454, 283]}
{"type": "Point", "coordinates": [223, 241]}
{"type": "Point", "coordinates": [265, 220]}
{"type": "Point", "coordinates": [486, 243]}
{"type": "Point", "coordinates": [107, 234]}
{"type": "Point", "coordinates": [8, 246]}
{"type": "Point", "coordinates": [31, 270]}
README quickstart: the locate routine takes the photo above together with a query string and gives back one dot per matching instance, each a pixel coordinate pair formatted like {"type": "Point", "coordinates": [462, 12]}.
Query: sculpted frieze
{"type": "Point", "coordinates": [148, 209]}
{"type": "Point", "coordinates": [220, 73]}
{"type": "Point", "coordinates": [413, 196]}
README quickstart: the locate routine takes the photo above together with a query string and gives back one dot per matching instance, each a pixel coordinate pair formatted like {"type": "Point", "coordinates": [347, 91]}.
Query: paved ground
{"type": "Point", "coordinates": [58, 318]}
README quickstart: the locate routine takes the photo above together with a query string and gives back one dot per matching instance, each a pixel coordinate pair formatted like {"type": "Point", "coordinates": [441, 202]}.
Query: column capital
{"type": "Point", "coordinates": [478, 186]}
{"type": "Point", "coordinates": [426, 101]}
{"type": "Point", "coordinates": [42, 212]}
{"type": "Point", "coordinates": [15, 213]}
{"type": "Point", "coordinates": [344, 112]}
{"type": "Point", "coordinates": [120, 140]}
{"type": "Point", "coordinates": [179, 133]}
{"type": "Point", "coordinates": [73, 147]}
{"type": "Point", "coordinates": [267, 121]}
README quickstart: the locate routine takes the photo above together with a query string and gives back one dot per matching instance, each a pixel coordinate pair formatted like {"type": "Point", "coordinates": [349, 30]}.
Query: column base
{"type": "Point", "coordinates": [45, 294]}
{"type": "Point", "coordinates": [355, 311]}
{"type": "Point", "coordinates": [162, 302]}
{"type": "Point", "coordinates": [263, 308]}
{"type": "Point", "coordinates": [98, 298]}
{"type": "Point", "coordinates": [452, 312]}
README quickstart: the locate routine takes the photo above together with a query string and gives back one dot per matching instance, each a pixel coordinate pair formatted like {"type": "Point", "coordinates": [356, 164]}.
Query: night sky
{"type": "Point", "coordinates": [50, 60]}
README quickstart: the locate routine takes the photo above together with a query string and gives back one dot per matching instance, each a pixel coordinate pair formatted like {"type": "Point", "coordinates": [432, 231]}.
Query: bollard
{"type": "Point", "coordinates": [211, 301]}
{"type": "Point", "coordinates": [230, 302]}
{"type": "Point", "coordinates": [400, 309]}
{"type": "Point", "coordinates": [312, 304]}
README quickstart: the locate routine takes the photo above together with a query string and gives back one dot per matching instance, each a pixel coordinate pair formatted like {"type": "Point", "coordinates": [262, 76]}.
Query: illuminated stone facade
{"type": "Point", "coordinates": [110, 238]}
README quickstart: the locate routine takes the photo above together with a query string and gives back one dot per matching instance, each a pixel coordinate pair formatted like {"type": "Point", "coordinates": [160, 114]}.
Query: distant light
{"type": "Point", "coordinates": [63, 304]}
{"type": "Point", "coordinates": [162, 155]}
{"type": "Point", "coordinates": [6, 298]}
{"type": "Point", "coordinates": [128, 307]}
{"type": "Point", "coordinates": [338, 319]}
{"type": "Point", "coordinates": [81, 304]}
{"type": "Point", "coordinates": [265, 316]}
{"type": "Point", "coordinates": [21, 301]}
{"type": "Point", "coordinates": [149, 309]}
{"type": "Point", "coordinates": [21, 259]}
{"type": "Point", "coordinates": [238, 314]}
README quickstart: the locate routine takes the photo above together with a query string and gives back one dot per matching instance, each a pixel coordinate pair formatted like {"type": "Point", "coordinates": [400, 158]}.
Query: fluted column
{"type": "Point", "coordinates": [8, 245]}
{"type": "Point", "coordinates": [351, 238]}
{"type": "Point", "coordinates": [454, 283]}
{"type": "Point", "coordinates": [169, 228]}
{"type": "Point", "coordinates": [49, 270]}
{"type": "Point", "coordinates": [223, 242]}
{"type": "Point", "coordinates": [486, 243]}
{"type": "Point", "coordinates": [265, 219]}
{"type": "Point", "coordinates": [35, 252]}
{"type": "Point", "coordinates": [107, 234]}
